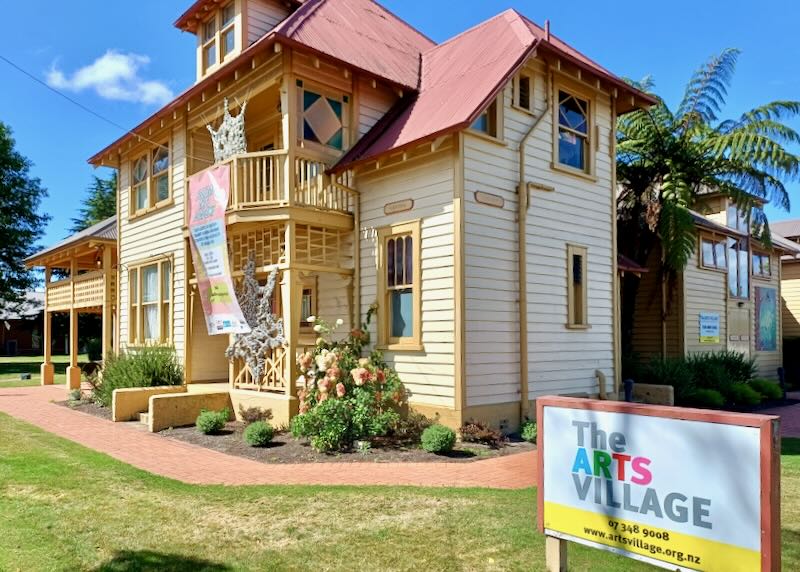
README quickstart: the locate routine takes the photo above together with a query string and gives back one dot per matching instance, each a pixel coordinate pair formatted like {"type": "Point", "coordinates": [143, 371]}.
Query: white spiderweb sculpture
{"type": "Point", "coordinates": [266, 329]}
{"type": "Point", "coordinates": [229, 138]}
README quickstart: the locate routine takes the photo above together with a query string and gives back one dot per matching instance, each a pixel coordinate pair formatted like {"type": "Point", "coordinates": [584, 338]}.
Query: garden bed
{"type": "Point", "coordinates": [286, 449]}
{"type": "Point", "coordinates": [89, 407]}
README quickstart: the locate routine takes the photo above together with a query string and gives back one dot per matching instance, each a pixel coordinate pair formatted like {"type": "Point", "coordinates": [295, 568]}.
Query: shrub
{"type": "Point", "coordinates": [328, 426]}
{"type": "Point", "coordinates": [408, 430]}
{"type": "Point", "coordinates": [743, 395]}
{"type": "Point", "coordinates": [707, 398]}
{"type": "Point", "coordinates": [529, 431]}
{"type": "Point", "coordinates": [258, 434]}
{"type": "Point", "coordinates": [769, 390]}
{"type": "Point", "coordinates": [345, 397]}
{"type": "Point", "coordinates": [251, 415]}
{"type": "Point", "coordinates": [672, 371]}
{"type": "Point", "coordinates": [737, 367]}
{"type": "Point", "coordinates": [94, 349]}
{"type": "Point", "coordinates": [708, 373]}
{"type": "Point", "coordinates": [438, 439]}
{"type": "Point", "coordinates": [477, 432]}
{"type": "Point", "coordinates": [210, 422]}
{"type": "Point", "coordinates": [147, 366]}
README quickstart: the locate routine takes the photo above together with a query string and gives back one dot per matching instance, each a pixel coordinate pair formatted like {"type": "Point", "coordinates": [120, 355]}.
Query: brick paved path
{"type": "Point", "coordinates": [790, 417]}
{"type": "Point", "coordinates": [197, 465]}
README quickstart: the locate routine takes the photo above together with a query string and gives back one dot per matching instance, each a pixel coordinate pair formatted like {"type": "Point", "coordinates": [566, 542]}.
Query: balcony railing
{"type": "Point", "coordinates": [262, 180]}
{"type": "Point", "coordinates": [84, 291]}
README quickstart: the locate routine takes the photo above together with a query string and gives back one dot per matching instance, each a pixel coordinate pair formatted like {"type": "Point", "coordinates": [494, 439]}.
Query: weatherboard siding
{"type": "Point", "coordinates": [429, 182]}
{"type": "Point", "coordinates": [577, 212]}
{"type": "Point", "coordinates": [157, 234]}
{"type": "Point", "coordinates": [705, 291]}
{"type": "Point", "coordinates": [790, 299]}
{"type": "Point", "coordinates": [263, 16]}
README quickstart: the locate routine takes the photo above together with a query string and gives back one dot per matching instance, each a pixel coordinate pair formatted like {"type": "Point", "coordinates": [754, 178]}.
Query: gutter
{"type": "Point", "coordinates": [522, 218]}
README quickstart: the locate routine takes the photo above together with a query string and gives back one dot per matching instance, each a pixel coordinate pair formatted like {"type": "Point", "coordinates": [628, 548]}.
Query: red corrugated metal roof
{"type": "Point", "coordinates": [461, 77]}
{"type": "Point", "coordinates": [361, 33]}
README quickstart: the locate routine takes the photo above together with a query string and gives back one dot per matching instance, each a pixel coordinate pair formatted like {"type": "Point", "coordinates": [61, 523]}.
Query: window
{"type": "Point", "coordinates": [218, 40]}
{"type": "Point", "coordinates": [738, 271]}
{"type": "Point", "coordinates": [487, 122]}
{"type": "Point", "coordinates": [400, 304]}
{"type": "Point", "coordinates": [761, 265]}
{"type": "Point", "coordinates": [150, 303]}
{"type": "Point", "coordinates": [738, 219]}
{"type": "Point", "coordinates": [308, 303]}
{"type": "Point", "coordinates": [712, 254]}
{"type": "Point", "coordinates": [573, 131]}
{"type": "Point", "coordinates": [324, 117]}
{"type": "Point", "coordinates": [150, 180]}
{"type": "Point", "coordinates": [523, 92]}
{"type": "Point", "coordinates": [577, 290]}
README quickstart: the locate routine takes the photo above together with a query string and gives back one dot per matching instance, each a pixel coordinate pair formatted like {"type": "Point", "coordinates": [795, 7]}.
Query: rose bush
{"type": "Point", "coordinates": [344, 396]}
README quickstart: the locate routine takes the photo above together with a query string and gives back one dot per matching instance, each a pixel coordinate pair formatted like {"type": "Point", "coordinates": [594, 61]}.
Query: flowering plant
{"type": "Point", "coordinates": [368, 394]}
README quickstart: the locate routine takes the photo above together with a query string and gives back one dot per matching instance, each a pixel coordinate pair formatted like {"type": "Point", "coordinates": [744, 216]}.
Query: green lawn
{"type": "Point", "coordinates": [65, 507]}
{"type": "Point", "coordinates": [11, 367]}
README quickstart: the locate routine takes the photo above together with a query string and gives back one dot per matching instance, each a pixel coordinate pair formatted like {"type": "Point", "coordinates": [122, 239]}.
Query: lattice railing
{"type": "Point", "coordinates": [89, 289]}
{"type": "Point", "coordinates": [59, 295]}
{"type": "Point", "coordinates": [272, 380]}
{"type": "Point", "coordinates": [266, 244]}
{"type": "Point", "coordinates": [321, 246]}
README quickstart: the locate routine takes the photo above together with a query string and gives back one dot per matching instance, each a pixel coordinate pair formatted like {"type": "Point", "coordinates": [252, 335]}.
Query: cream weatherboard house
{"type": "Point", "coordinates": [466, 187]}
{"type": "Point", "coordinates": [727, 298]}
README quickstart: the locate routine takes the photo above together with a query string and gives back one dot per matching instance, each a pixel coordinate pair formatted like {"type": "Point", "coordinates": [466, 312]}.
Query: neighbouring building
{"type": "Point", "coordinates": [21, 326]}
{"type": "Point", "coordinates": [466, 187]}
{"type": "Point", "coordinates": [727, 297]}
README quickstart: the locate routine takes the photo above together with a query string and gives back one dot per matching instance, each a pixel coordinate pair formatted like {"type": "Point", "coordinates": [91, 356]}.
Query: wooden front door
{"type": "Point", "coordinates": [739, 331]}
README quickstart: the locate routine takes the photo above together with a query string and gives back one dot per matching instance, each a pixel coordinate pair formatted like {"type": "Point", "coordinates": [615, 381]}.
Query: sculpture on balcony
{"type": "Point", "coordinates": [266, 329]}
{"type": "Point", "coordinates": [229, 138]}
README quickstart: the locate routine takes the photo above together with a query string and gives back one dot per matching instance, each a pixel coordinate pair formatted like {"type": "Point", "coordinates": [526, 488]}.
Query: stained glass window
{"type": "Point", "coordinates": [323, 119]}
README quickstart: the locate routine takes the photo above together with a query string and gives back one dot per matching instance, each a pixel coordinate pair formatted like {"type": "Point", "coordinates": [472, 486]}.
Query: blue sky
{"type": "Point", "coordinates": [53, 40]}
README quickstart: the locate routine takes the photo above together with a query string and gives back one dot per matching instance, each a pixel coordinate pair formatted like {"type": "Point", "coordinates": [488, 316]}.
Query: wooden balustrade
{"type": "Point", "coordinates": [272, 378]}
{"type": "Point", "coordinates": [258, 180]}
{"type": "Point", "coordinates": [84, 291]}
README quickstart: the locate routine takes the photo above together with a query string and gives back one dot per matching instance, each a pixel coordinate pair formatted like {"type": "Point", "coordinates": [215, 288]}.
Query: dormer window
{"type": "Point", "coordinates": [487, 122]}
{"type": "Point", "coordinates": [573, 131]}
{"type": "Point", "coordinates": [738, 219]}
{"type": "Point", "coordinates": [218, 37]}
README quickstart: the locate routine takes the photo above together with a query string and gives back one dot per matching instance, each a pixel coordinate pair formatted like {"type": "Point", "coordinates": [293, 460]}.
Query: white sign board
{"type": "Point", "coordinates": [709, 328]}
{"type": "Point", "coordinates": [676, 492]}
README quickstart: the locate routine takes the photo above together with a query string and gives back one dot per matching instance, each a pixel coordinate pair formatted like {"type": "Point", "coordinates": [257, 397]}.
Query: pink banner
{"type": "Point", "coordinates": [208, 198]}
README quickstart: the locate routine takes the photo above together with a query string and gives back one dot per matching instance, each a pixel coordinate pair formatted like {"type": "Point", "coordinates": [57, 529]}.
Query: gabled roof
{"type": "Point", "coordinates": [787, 228]}
{"type": "Point", "coordinates": [197, 12]}
{"type": "Point", "coordinates": [360, 33]}
{"type": "Point", "coordinates": [102, 231]}
{"type": "Point", "coordinates": [30, 306]}
{"type": "Point", "coordinates": [461, 77]}
{"type": "Point", "coordinates": [778, 241]}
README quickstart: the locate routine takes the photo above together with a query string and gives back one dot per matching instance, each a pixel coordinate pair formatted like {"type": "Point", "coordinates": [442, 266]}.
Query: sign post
{"type": "Point", "coordinates": [682, 489]}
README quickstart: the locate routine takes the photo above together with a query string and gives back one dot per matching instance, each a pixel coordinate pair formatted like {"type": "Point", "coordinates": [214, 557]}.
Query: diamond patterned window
{"type": "Point", "coordinates": [324, 118]}
{"type": "Point", "coordinates": [573, 131]}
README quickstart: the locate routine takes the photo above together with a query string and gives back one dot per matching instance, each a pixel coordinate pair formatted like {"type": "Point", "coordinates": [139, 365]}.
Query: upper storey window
{"type": "Point", "coordinates": [218, 37]}
{"type": "Point", "coordinates": [738, 219]}
{"type": "Point", "coordinates": [573, 131]}
{"type": "Point", "coordinates": [324, 117]}
{"type": "Point", "coordinates": [150, 186]}
{"type": "Point", "coordinates": [488, 122]}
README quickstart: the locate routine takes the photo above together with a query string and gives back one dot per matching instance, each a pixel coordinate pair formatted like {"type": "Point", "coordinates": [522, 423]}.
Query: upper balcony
{"type": "Point", "coordinates": [263, 186]}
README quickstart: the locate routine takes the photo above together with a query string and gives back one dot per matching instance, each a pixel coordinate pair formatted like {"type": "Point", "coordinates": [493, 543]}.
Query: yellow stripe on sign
{"type": "Point", "coordinates": [657, 543]}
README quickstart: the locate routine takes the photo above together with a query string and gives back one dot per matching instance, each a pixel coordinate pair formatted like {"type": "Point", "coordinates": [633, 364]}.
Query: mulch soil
{"type": "Point", "coordinates": [285, 449]}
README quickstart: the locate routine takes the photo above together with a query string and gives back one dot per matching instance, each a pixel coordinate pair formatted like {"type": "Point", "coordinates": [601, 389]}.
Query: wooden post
{"type": "Point", "coordinates": [47, 372]}
{"type": "Point", "coordinates": [555, 554]}
{"type": "Point", "coordinates": [73, 371]}
{"type": "Point", "coordinates": [107, 338]}
{"type": "Point", "coordinates": [291, 295]}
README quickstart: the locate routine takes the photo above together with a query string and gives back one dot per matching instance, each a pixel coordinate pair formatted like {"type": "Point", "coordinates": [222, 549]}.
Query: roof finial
{"type": "Point", "coordinates": [547, 30]}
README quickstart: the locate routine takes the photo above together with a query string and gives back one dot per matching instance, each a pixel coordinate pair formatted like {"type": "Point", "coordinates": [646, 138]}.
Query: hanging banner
{"type": "Point", "coordinates": [208, 199]}
{"type": "Point", "coordinates": [683, 489]}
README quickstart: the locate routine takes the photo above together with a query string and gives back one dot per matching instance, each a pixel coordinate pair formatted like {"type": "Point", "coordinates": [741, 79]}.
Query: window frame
{"type": "Point", "coordinates": [151, 187]}
{"type": "Point", "coordinates": [572, 322]}
{"type": "Point", "coordinates": [221, 29]}
{"type": "Point", "coordinates": [516, 101]}
{"type": "Point", "coordinates": [739, 245]}
{"type": "Point", "coordinates": [715, 266]}
{"type": "Point", "coordinates": [165, 305]}
{"type": "Point", "coordinates": [761, 255]}
{"type": "Point", "coordinates": [494, 121]}
{"type": "Point", "coordinates": [309, 283]}
{"type": "Point", "coordinates": [345, 99]}
{"type": "Point", "coordinates": [742, 222]}
{"type": "Point", "coordinates": [583, 94]}
{"type": "Point", "coordinates": [385, 340]}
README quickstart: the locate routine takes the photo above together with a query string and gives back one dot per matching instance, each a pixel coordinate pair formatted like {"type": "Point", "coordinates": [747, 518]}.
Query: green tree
{"type": "Point", "coordinates": [21, 225]}
{"type": "Point", "coordinates": [666, 160]}
{"type": "Point", "coordinates": [100, 204]}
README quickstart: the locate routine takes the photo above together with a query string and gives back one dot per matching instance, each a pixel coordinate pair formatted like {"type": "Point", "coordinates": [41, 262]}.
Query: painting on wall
{"type": "Point", "coordinates": [766, 319]}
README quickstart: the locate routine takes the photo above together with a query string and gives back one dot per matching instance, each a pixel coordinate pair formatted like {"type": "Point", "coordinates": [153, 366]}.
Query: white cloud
{"type": "Point", "coordinates": [114, 76]}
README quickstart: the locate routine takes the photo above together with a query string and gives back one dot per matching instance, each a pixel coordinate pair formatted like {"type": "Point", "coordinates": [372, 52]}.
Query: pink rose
{"type": "Point", "coordinates": [380, 375]}
{"type": "Point", "coordinates": [334, 373]}
{"type": "Point", "coordinates": [360, 376]}
{"type": "Point", "coordinates": [324, 385]}
{"type": "Point", "coordinates": [305, 361]}
{"type": "Point", "coordinates": [323, 397]}
{"type": "Point", "coordinates": [340, 390]}
{"type": "Point", "coordinates": [303, 407]}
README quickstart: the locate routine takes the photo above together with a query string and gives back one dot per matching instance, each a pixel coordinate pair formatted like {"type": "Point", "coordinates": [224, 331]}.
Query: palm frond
{"type": "Point", "coordinates": [706, 92]}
